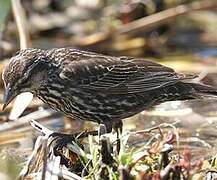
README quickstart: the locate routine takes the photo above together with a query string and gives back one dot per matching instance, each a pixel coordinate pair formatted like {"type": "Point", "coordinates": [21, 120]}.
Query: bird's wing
{"type": "Point", "coordinates": [119, 75]}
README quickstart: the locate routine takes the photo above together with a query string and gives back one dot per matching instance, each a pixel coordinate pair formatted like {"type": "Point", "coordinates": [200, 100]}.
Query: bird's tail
{"type": "Point", "coordinates": [202, 90]}
{"type": "Point", "coordinates": [186, 91]}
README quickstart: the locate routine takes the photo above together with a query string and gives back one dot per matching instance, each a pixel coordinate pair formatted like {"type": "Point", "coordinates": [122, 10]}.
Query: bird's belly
{"type": "Point", "coordinates": [103, 107]}
{"type": "Point", "coordinates": [93, 106]}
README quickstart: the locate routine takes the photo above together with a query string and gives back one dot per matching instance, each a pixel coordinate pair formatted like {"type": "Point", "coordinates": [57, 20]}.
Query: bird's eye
{"type": "Point", "coordinates": [24, 81]}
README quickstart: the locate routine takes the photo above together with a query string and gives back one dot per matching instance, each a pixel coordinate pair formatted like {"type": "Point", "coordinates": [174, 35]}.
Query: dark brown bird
{"type": "Point", "coordinates": [95, 87]}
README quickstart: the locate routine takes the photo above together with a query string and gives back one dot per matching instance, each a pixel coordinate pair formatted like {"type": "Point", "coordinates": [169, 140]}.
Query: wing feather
{"type": "Point", "coordinates": [119, 75]}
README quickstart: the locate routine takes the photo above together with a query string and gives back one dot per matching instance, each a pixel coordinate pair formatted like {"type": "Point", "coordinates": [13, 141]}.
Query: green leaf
{"type": "Point", "coordinates": [5, 6]}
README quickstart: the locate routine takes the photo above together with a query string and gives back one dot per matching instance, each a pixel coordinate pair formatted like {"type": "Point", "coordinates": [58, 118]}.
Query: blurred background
{"type": "Point", "coordinates": [181, 34]}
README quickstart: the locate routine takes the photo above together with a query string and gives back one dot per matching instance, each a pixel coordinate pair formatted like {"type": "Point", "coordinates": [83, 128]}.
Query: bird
{"type": "Point", "coordinates": [89, 86]}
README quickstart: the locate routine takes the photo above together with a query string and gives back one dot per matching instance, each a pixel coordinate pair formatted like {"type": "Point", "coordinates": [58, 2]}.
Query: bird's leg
{"type": "Point", "coordinates": [118, 127]}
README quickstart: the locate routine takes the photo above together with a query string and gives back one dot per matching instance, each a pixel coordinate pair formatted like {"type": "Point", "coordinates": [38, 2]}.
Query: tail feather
{"type": "Point", "coordinates": [203, 90]}
{"type": "Point", "coordinates": [184, 91]}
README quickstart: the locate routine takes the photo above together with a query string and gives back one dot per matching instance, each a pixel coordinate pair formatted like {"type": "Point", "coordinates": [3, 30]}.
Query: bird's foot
{"type": "Point", "coordinates": [60, 140]}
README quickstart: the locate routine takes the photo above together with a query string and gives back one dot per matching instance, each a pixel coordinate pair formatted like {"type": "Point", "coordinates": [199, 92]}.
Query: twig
{"type": "Point", "coordinates": [158, 127]}
{"type": "Point", "coordinates": [21, 22]}
{"type": "Point", "coordinates": [198, 140]}
{"type": "Point", "coordinates": [45, 158]}
{"type": "Point", "coordinates": [53, 168]}
{"type": "Point", "coordinates": [29, 164]}
{"type": "Point", "coordinates": [149, 22]}
{"type": "Point", "coordinates": [106, 150]}
{"type": "Point", "coordinates": [157, 19]}
{"type": "Point", "coordinates": [47, 132]}
{"type": "Point", "coordinates": [22, 122]}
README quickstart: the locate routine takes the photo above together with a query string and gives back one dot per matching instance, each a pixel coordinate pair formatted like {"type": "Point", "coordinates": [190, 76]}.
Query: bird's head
{"type": "Point", "coordinates": [24, 73]}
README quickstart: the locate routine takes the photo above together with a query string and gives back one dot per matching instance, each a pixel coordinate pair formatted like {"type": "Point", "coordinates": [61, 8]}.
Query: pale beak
{"type": "Point", "coordinates": [8, 96]}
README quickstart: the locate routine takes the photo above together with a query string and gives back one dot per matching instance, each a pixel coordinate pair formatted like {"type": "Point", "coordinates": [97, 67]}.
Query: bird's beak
{"type": "Point", "coordinates": [8, 97]}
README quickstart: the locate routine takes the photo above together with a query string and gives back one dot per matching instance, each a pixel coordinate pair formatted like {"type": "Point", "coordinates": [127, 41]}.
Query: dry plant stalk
{"type": "Point", "coordinates": [23, 99]}
{"type": "Point", "coordinates": [21, 22]}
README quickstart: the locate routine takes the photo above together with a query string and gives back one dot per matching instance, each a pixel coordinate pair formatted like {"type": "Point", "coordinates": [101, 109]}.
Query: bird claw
{"type": "Point", "coordinates": [60, 140]}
